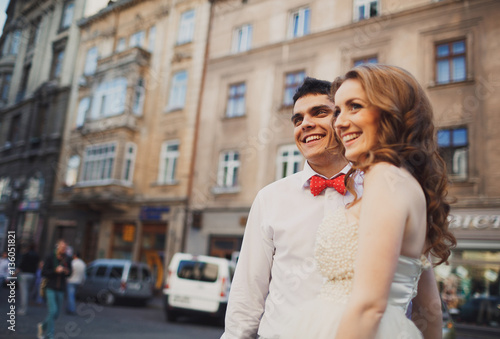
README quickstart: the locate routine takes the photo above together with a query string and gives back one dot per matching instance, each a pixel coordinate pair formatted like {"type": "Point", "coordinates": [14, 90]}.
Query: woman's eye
{"type": "Point", "coordinates": [356, 107]}
{"type": "Point", "coordinates": [336, 113]}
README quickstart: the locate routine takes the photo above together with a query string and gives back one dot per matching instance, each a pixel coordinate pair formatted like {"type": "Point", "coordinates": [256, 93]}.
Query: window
{"type": "Point", "coordinates": [299, 23]}
{"type": "Point", "coordinates": [236, 101]}
{"type": "Point", "coordinates": [57, 63]}
{"type": "Point", "coordinates": [24, 83]}
{"type": "Point", "coordinates": [116, 272]}
{"type": "Point", "coordinates": [83, 109]}
{"type": "Point", "coordinates": [34, 189]}
{"type": "Point", "coordinates": [229, 165]}
{"type": "Point", "coordinates": [5, 80]}
{"type": "Point", "coordinates": [453, 147]}
{"type": "Point", "coordinates": [178, 88]}
{"type": "Point", "coordinates": [15, 129]}
{"type": "Point", "coordinates": [72, 167]}
{"type": "Point", "coordinates": [98, 162]}
{"type": "Point", "coordinates": [368, 60]}
{"type": "Point", "coordinates": [128, 166]}
{"type": "Point", "coordinates": [39, 123]}
{"type": "Point", "coordinates": [151, 39]}
{"type": "Point", "coordinates": [292, 81]}
{"type": "Point", "coordinates": [101, 271]}
{"type": "Point", "coordinates": [365, 9]}
{"type": "Point", "coordinates": [11, 43]}
{"type": "Point", "coordinates": [242, 38]}
{"type": "Point", "coordinates": [138, 101]}
{"type": "Point", "coordinates": [197, 270]}
{"type": "Point", "coordinates": [91, 61]}
{"type": "Point", "coordinates": [67, 14]}
{"type": "Point", "coordinates": [186, 28]}
{"type": "Point", "coordinates": [16, 39]}
{"type": "Point", "coordinates": [137, 39]}
{"type": "Point", "coordinates": [288, 161]}
{"type": "Point", "coordinates": [450, 62]}
{"type": "Point", "coordinates": [168, 162]}
{"type": "Point", "coordinates": [121, 45]}
{"type": "Point", "coordinates": [34, 33]}
{"type": "Point", "coordinates": [5, 189]}
{"type": "Point", "coordinates": [109, 98]}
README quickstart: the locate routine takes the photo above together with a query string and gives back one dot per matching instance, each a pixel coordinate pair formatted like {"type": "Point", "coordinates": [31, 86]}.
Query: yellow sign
{"type": "Point", "coordinates": [128, 233]}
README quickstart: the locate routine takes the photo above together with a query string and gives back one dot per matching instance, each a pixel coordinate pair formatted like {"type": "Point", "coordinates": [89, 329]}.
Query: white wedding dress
{"type": "Point", "coordinates": [335, 252]}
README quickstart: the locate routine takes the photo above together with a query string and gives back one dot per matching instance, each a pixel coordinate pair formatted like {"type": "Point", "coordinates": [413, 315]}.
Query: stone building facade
{"type": "Point", "coordinates": [129, 134]}
{"type": "Point", "coordinates": [38, 47]}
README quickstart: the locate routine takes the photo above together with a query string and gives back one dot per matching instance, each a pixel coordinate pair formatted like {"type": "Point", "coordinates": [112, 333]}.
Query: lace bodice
{"type": "Point", "coordinates": [335, 253]}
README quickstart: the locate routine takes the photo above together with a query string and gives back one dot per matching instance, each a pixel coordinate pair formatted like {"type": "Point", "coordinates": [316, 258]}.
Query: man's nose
{"type": "Point", "coordinates": [308, 122]}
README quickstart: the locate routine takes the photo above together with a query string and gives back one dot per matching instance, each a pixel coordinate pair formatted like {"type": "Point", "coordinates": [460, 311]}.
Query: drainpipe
{"type": "Point", "coordinates": [196, 129]}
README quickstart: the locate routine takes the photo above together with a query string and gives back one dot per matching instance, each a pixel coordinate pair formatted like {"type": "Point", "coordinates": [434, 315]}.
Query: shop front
{"type": "Point", "coordinates": [470, 284]}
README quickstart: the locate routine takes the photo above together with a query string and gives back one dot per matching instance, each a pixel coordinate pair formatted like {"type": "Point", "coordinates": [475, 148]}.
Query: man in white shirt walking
{"type": "Point", "coordinates": [76, 278]}
{"type": "Point", "coordinates": [276, 271]}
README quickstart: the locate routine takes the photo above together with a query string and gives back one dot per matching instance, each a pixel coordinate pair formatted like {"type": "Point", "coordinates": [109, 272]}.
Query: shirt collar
{"type": "Point", "coordinates": [308, 172]}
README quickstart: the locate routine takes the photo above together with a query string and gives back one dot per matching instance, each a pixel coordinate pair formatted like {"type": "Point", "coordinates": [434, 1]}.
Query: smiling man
{"type": "Point", "coordinates": [276, 271]}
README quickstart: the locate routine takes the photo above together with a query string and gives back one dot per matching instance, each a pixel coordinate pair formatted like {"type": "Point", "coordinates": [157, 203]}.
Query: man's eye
{"type": "Point", "coordinates": [296, 122]}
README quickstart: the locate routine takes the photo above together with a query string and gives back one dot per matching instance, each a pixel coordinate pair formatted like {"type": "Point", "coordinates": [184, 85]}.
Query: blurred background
{"type": "Point", "coordinates": [138, 129]}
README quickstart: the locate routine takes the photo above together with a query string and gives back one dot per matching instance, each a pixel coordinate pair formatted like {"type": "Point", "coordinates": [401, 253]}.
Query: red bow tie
{"type": "Point", "coordinates": [318, 184]}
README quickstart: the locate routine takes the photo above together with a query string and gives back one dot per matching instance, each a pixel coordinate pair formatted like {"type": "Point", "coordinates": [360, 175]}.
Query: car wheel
{"type": "Point", "coordinates": [107, 298]}
{"type": "Point", "coordinates": [171, 316]}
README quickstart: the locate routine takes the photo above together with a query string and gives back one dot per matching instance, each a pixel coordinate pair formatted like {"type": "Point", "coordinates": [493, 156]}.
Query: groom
{"type": "Point", "coordinates": [276, 271]}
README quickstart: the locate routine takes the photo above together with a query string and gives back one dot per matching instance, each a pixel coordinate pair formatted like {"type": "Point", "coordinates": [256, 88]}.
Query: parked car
{"type": "Point", "coordinates": [197, 285]}
{"type": "Point", "coordinates": [481, 310]}
{"type": "Point", "coordinates": [110, 279]}
{"type": "Point", "coordinates": [448, 324]}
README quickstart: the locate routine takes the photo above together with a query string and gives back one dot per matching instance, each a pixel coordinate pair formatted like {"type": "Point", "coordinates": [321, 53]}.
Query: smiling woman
{"type": "Point", "coordinates": [356, 119]}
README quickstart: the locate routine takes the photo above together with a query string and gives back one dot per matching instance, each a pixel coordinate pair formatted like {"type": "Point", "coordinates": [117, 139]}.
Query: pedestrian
{"type": "Point", "coordinates": [26, 274]}
{"type": "Point", "coordinates": [4, 265]}
{"type": "Point", "coordinates": [76, 279]}
{"type": "Point", "coordinates": [56, 269]}
{"type": "Point", "coordinates": [36, 288]}
{"type": "Point", "coordinates": [275, 272]}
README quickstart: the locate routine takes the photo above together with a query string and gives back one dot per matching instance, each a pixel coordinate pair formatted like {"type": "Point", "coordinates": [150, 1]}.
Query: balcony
{"type": "Point", "coordinates": [112, 195]}
{"type": "Point", "coordinates": [125, 121]}
{"type": "Point", "coordinates": [131, 56]}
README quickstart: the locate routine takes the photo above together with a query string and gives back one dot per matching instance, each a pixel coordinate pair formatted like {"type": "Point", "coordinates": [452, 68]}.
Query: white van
{"type": "Point", "coordinates": [197, 284]}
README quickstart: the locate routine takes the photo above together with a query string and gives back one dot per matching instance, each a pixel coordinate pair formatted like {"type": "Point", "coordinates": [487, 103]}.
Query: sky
{"type": "Point", "coordinates": [3, 16]}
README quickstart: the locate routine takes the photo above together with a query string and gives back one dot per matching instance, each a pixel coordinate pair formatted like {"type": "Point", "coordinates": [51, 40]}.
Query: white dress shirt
{"type": "Point", "coordinates": [78, 271]}
{"type": "Point", "coordinates": [276, 271]}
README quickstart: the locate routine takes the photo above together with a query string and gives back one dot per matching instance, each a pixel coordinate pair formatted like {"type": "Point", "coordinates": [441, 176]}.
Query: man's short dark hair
{"type": "Point", "coordinates": [312, 86]}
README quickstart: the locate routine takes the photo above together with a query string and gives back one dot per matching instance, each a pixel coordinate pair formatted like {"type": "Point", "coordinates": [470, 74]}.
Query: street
{"type": "Point", "coordinates": [95, 321]}
{"type": "Point", "coordinates": [126, 321]}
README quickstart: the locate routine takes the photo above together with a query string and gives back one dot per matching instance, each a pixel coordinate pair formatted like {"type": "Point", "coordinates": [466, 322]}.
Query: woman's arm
{"type": "Point", "coordinates": [426, 311]}
{"type": "Point", "coordinates": [389, 195]}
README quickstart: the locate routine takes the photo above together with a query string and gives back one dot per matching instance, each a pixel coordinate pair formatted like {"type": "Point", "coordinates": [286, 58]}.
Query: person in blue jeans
{"type": "Point", "coordinates": [77, 277]}
{"type": "Point", "coordinates": [26, 273]}
{"type": "Point", "coordinates": [56, 269]}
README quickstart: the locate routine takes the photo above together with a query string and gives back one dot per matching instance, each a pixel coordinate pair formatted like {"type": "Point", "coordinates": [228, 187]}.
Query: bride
{"type": "Point", "coordinates": [373, 253]}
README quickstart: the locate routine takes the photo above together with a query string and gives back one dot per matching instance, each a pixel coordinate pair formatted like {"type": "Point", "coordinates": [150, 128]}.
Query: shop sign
{"type": "Point", "coordinates": [153, 212]}
{"type": "Point", "coordinates": [474, 221]}
{"type": "Point", "coordinates": [29, 205]}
